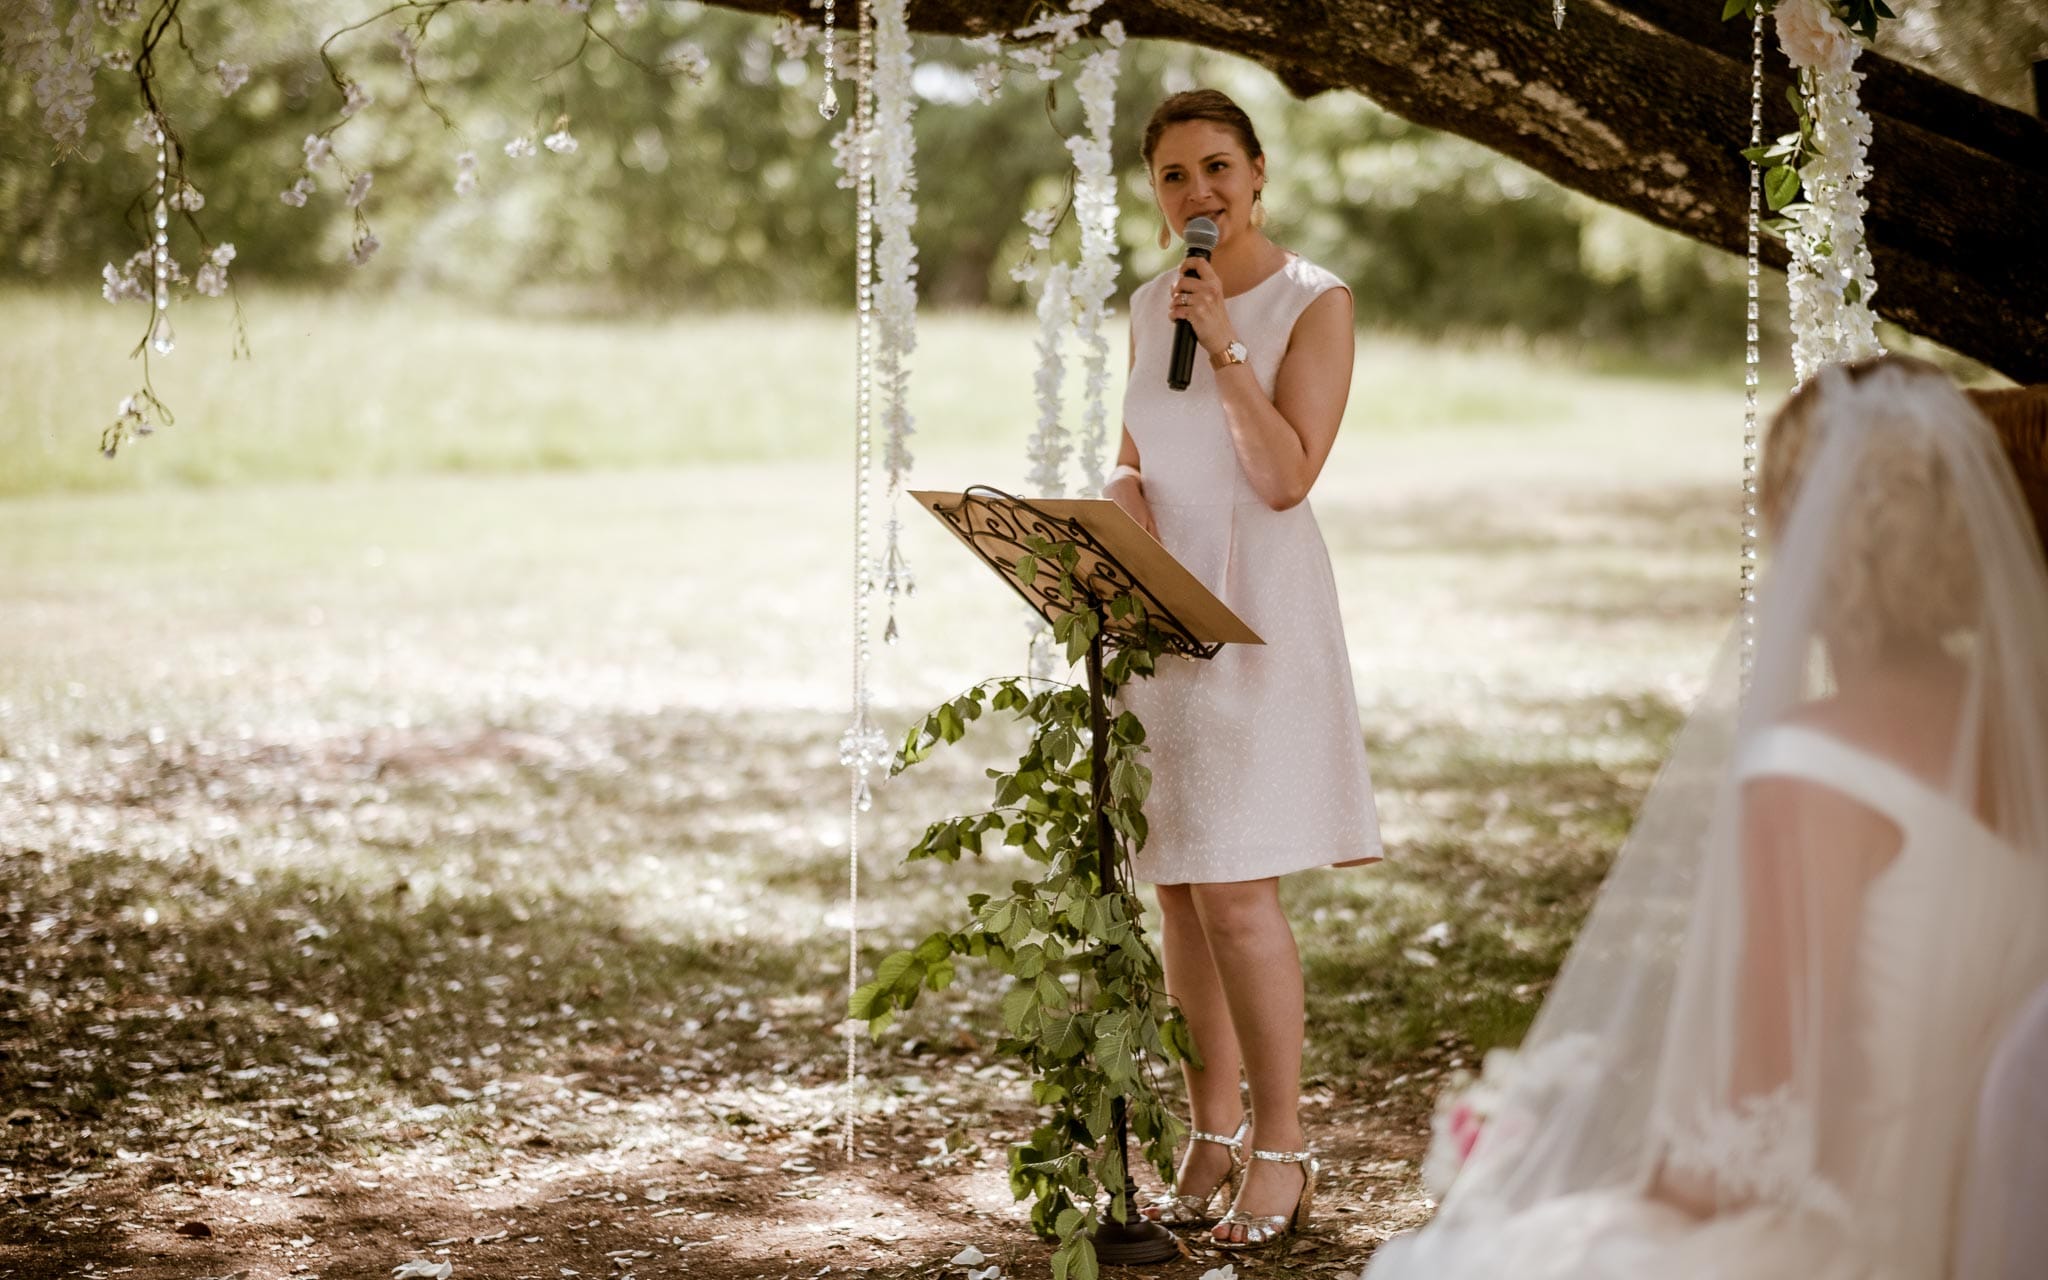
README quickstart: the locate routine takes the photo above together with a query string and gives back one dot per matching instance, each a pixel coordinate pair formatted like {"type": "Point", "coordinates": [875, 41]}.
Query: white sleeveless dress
{"type": "Point", "coordinates": [1257, 756]}
{"type": "Point", "coordinates": [1952, 941]}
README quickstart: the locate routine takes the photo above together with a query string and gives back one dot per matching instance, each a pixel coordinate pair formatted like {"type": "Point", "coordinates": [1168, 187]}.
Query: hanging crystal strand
{"type": "Point", "coordinates": [1751, 370]}
{"type": "Point", "coordinates": [863, 747]}
{"type": "Point", "coordinates": [828, 102]}
{"type": "Point", "coordinates": [1557, 13]}
{"type": "Point", "coordinates": [161, 339]}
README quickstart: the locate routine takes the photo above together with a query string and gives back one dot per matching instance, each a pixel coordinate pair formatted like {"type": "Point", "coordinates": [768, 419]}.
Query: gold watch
{"type": "Point", "coordinates": [1235, 353]}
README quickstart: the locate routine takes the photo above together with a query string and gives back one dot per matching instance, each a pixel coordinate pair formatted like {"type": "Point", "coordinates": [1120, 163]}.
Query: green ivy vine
{"type": "Point", "coordinates": [1085, 1008]}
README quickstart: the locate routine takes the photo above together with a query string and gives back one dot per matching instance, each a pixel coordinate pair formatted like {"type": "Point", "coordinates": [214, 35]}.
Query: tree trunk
{"type": "Point", "coordinates": [1645, 104]}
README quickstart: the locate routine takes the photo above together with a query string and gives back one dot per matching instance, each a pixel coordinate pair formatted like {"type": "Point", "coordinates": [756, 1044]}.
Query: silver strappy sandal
{"type": "Point", "coordinates": [1175, 1209]}
{"type": "Point", "coordinates": [1264, 1229]}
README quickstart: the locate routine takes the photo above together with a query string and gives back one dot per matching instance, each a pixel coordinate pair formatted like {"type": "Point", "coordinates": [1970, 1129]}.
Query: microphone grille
{"type": "Point", "coordinates": [1200, 233]}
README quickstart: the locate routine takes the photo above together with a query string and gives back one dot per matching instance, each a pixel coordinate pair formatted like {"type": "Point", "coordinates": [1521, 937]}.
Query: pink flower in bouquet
{"type": "Point", "coordinates": [1467, 1123]}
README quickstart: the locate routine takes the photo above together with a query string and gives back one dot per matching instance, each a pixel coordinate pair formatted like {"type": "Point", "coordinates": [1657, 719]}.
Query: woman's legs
{"type": "Point", "coordinates": [1251, 947]}
{"type": "Point", "coordinates": [1192, 980]}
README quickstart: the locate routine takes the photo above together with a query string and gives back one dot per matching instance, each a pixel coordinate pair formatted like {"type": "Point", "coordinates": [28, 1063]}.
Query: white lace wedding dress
{"type": "Point", "coordinates": [1930, 931]}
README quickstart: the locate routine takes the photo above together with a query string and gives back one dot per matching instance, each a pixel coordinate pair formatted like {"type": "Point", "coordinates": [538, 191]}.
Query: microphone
{"type": "Point", "coordinates": [1201, 239]}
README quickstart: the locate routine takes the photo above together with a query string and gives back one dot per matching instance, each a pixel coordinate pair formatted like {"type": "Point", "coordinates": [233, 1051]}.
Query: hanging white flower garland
{"type": "Point", "coordinates": [1830, 276]}
{"type": "Point", "coordinates": [1074, 298]}
{"type": "Point", "coordinates": [1095, 208]}
{"type": "Point", "coordinates": [896, 265]}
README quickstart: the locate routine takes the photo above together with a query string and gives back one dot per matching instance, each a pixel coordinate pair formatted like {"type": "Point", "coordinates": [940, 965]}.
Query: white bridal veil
{"type": "Point", "coordinates": [1763, 1055]}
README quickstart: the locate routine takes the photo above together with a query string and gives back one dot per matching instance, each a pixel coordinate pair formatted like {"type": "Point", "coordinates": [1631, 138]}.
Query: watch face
{"type": "Point", "coordinates": [1238, 352]}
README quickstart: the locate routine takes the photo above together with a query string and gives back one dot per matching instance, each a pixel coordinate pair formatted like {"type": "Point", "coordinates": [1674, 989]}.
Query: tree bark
{"type": "Point", "coordinates": [1644, 104]}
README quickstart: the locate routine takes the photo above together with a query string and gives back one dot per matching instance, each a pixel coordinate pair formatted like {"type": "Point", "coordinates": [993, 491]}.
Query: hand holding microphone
{"type": "Point", "coordinates": [1200, 235]}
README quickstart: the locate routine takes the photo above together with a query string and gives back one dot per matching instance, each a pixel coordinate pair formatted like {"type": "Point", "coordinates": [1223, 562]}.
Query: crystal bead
{"type": "Point", "coordinates": [828, 107]}
{"type": "Point", "coordinates": [890, 635]}
{"type": "Point", "coordinates": [163, 216]}
{"type": "Point", "coordinates": [162, 339]}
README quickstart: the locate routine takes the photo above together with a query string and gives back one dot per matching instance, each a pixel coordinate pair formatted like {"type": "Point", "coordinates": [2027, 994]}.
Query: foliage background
{"type": "Point", "coordinates": [722, 193]}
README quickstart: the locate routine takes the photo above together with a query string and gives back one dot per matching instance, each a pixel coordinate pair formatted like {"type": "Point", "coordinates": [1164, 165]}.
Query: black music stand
{"type": "Point", "coordinates": [1117, 558]}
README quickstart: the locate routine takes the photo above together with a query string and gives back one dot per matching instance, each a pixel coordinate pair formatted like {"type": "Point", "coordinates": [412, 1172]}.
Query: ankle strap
{"type": "Point", "coordinates": [1234, 1141]}
{"type": "Point", "coordinates": [1283, 1157]}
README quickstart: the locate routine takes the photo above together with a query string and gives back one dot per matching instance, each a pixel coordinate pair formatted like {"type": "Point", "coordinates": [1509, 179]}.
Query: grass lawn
{"type": "Point", "coordinates": [413, 830]}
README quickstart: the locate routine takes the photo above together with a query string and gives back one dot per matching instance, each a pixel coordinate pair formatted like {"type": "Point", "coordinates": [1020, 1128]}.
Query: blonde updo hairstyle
{"type": "Point", "coordinates": [1906, 576]}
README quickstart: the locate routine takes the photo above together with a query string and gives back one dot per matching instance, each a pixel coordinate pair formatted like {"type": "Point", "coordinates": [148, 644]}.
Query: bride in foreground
{"type": "Point", "coordinates": [1763, 1055]}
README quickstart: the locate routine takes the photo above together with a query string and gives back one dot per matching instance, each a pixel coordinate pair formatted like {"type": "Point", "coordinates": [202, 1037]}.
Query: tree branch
{"type": "Point", "coordinates": [1644, 104]}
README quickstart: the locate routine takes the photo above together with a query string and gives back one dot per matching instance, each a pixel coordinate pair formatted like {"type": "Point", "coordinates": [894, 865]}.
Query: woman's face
{"type": "Point", "coordinates": [1200, 169]}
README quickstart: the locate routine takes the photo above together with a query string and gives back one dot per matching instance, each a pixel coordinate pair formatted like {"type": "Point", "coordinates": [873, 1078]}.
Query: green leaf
{"type": "Point", "coordinates": [1781, 186]}
{"type": "Point", "coordinates": [861, 1004]}
{"type": "Point", "coordinates": [1020, 1006]}
{"type": "Point", "coordinates": [1734, 7]}
{"type": "Point", "coordinates": [891, 972]}
{"type": "Point", "coordinates": [1026, 570]}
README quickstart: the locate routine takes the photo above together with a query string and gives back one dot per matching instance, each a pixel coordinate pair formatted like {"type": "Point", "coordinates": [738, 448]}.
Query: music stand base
{"type": "Point", "coordinates": [1124, 1244]}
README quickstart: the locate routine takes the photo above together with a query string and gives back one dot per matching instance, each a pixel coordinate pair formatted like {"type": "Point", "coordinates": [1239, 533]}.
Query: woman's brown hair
{"type": "Point", "coordinates": [1212, 105]}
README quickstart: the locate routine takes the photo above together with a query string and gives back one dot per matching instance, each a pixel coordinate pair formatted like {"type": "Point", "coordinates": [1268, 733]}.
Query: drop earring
{"type": "Point", "coordinates": [1165, 237]}
{"type": "Point", "coordinates": [1259, 208]}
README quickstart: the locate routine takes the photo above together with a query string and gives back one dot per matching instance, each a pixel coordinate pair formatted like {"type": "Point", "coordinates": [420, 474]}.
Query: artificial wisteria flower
{"type": "Point", "coordinates": [793, 39]}
{"type": "Point", "coordinates": [360, 189]}
{"type": "Point", "coordinates": [1049, 446]}
{"type": "Point", "coordinates": [988, 81]}
{"type": "Point", "coordinates": [55, 60]}
{"type": "Point", "coordinates": [1814, 36]}
{"type": "Point", "coordinates": [1037, 58]}
{"type": "Point", "coordinates": [295, 195]}
{"type": "Point", "coordinates": [125, 282]}
{"type": "Point", "coordinates": [895, 214]}
{"type": "Point", "coordinates": [561, 142]}
{"type": "Point", "coordinates": [1094, 279]}
{"type": "Point", "coordinates": [353, 98]}
{"type": "Point", "coordinates": [408, 49]}
{"type": "Point", "coordinates": [232, 76]}
{"type": "Point", "coordinates": [364, 249]}
{"type": "Point", "coordinates": [520, 148]}
{"type": "Point", "coordinates": [1040, 222]}
{"type": "Point", "coordinates": [212, 280]}
{"type": "Point", "coordinates": [687, 60]}
{"type": "Point", "coordinates": [187, 198]}
{"type": "Point", "coordinates": [631, 11]}
{"type": "Point", "coordinates": [318, 150]}
{"type": "Point", "coordinates": [1830, 278]}
{"type": "Point", "coordinates": [465, 174]}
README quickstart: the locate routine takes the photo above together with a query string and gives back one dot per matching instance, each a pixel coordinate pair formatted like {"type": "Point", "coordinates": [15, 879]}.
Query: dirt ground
{"type": "Point", "coordinates": [765, 1200]}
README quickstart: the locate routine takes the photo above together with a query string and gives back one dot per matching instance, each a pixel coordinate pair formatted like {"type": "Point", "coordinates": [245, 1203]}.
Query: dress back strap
{"type": "Point", "coordinates": [1794, 751]}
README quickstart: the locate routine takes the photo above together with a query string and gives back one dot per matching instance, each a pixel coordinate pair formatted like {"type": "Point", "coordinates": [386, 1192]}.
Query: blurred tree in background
{"type": "Point", "coordinates": [720, 192]}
